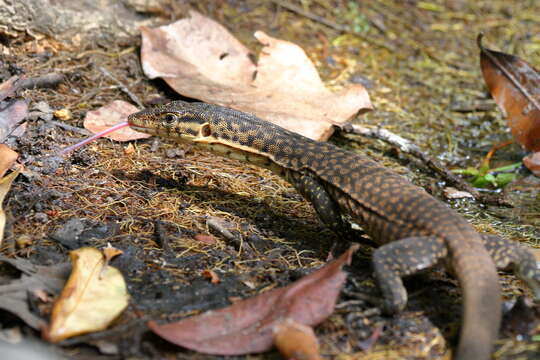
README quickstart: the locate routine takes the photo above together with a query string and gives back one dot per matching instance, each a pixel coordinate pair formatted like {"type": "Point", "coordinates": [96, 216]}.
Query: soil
{"type": "Point", "coordinates": [419, 62]}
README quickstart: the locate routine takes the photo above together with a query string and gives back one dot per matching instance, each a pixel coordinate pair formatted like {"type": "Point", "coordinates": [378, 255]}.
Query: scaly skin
{"type": "Point", "coordinates": [414, 230]}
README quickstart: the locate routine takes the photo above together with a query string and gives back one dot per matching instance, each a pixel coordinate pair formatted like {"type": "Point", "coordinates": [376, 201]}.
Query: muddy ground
{"type": "Point", "coordinates": [419, 62]}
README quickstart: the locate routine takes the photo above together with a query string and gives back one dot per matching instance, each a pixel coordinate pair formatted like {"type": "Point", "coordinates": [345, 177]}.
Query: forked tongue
{"type": "Point", "coordinates": [93, 137]}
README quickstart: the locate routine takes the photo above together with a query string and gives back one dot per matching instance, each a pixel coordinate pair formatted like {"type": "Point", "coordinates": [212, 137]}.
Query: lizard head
{"type": "Point", "coordinates": [179, 121]}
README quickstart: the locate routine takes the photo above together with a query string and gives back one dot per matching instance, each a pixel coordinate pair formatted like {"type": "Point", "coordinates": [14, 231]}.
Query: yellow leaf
{"type": "Point", "coordinates": [5, 185]}
{"type": "Point", "coordinates": [94, 295]}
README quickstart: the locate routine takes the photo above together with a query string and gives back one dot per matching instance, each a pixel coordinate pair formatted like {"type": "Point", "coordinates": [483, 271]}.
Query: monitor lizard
{"type": "Point", "coordinates": [414, 230]}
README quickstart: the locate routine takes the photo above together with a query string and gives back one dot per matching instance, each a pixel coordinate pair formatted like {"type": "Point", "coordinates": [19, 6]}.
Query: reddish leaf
{"type": "Point", "coordinates": [109, 115]}
{"type": "Point", "coordinates": [515, 86]}
{"type": "Point", "coordinates": [246, 326]}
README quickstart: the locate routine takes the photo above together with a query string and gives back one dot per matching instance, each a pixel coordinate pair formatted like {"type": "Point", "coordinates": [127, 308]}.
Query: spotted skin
{"type": "Point", "coordinates": [413, 229]}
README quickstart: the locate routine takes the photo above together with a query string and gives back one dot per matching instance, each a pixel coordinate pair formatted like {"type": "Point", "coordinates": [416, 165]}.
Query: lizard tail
{"type": "Point", "coordinates": [481, 296]}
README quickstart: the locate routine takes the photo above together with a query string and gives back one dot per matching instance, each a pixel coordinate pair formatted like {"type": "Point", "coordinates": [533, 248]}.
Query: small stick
{"type": "Point", "coordinates": [122, 87]}
{"type": "Point", "coordinates": [70, 127]}
{"type": "Point", "coordinates": [44, 81]}
{"type": "Point", "coordinates": [412, 149]}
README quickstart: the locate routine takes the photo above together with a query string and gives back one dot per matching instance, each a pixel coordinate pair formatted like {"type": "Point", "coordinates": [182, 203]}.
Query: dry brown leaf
{"type": "Point", "coordinates": [246, 326]}
{"type": "Point", "coordinates": [94, 295]}
{"type": "Point", "coordinates": [11, 117]}
{"type": "Point", "coordinates": [8, 87]}
{"type": "Point", "coordinates": [211, 275]}
{"type": "Point", "coordinates": [532, 162]}
{"type": "Point", "coordinates": [112, 114]}
{"type": "Point", "coordinates": [63, 114]}
{"type": "Point", "coordinates": [111, 252]}
{"type": "Point", "coordinates": [205, 238]}
{"type": "Point", "coordinates": [200, 59]}
{"type": "Point", "coordinates": [7, 158]}
{"type": "Point", "coordinates": [5, 185]}
{"type": "Point", "coordinates": [296, 341]}
{"type": "Point", "coordinates": [515, 86]}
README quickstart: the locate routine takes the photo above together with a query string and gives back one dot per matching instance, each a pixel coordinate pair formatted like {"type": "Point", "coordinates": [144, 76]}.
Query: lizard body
{"type": "Point", "coordinates": [413, 229]}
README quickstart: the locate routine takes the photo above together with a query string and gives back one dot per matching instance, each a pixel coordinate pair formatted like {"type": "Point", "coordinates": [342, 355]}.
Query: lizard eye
{"type": "Point", "coordinates": [169, 118]}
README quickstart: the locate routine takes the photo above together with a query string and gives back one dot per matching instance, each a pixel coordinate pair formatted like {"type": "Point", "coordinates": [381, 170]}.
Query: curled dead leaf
{"type": "Point", "coordinates": [94, 295]}
{"type": "Point", "coordinates": [515, 86]}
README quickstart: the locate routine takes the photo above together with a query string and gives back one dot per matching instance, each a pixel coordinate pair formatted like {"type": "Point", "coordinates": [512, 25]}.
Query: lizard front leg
{"type": "Point", "coordinates": [400, 258]}
{"type": "Point", "coordinates": [325, 206]}
{"type": "Point", "coordinates": [509, 254]}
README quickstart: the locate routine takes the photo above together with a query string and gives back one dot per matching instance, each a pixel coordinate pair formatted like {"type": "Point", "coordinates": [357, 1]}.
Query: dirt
{"type": "Point", "coordinates": [418, 60]}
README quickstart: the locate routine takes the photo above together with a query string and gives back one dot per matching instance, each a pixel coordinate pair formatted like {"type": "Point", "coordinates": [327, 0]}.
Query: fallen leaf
{"type": "Point", "coordinates": [112, 114]}
{"type": "Point", "coordinates": [63, 114]}
{"type": "Point", "coordinates": [205, 238]}
{"type": "Point", "coordinates": [246, 326]}
{"type": "Point", "coordinates": [10, 117]}
{"type": "Point", "coordinates": [532, 162]}
{"type": "Point", "coordinates": [111, 252]}
{"type": "Point", "coordinates": [7, 158]}
{"type": "Point", "coordinates": [14, 296]}
{"type": "Point", "coordinates": [296, 341]}
{"type": "Point", "coordinates": [8, 87]}
{"type": "Point", "coordinates": [5, 185]}
{"type": "Point", "coordinates": [130, 149]}
{"type": "Point", "coordinates": [200, 59]}
{"type": "Point", "coordinates": [94, 295]}
{"type": "Point", "coordinates": [211, 275]}
{"type": "Point", "coordinates": [515, 86]}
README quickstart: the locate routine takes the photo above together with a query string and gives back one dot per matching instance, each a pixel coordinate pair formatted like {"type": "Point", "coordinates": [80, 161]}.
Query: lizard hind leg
{"type": "Point", "coordinates": [400, 258]}
{"type": "Point", "coordinates": [511, 254]}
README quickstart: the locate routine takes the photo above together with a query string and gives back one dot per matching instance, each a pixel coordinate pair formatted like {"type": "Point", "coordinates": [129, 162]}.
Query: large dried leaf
{"type": "Point", "coordinates": [5, 185]}
{"type": "Point", "coordinates": [200, 59]}
{"type": "Point", "coordinates": [35, 279]}
{"type": "Point", "coordinates": [112, 114]}
{"type": "Point", "coordinates": [247, 326]}
{"type": "Point", "coordinates": [515, 86]}
{"type": "Point", "coordinates": [94, 295]}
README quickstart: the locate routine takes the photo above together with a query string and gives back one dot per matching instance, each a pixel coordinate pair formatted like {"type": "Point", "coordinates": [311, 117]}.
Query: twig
{"type": "Point", "coordinates": [15, 83]}
{"type": "Point", "coordinates": [122, 87]}
{"type": "Point", "coordinates": [70, 127]}
{"type": "Point", "coordinates": [341, 28]}
{"type": "Point", "coordinates": [412, 149]}
{"type": "Point", "coordinates": [44, 81]}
